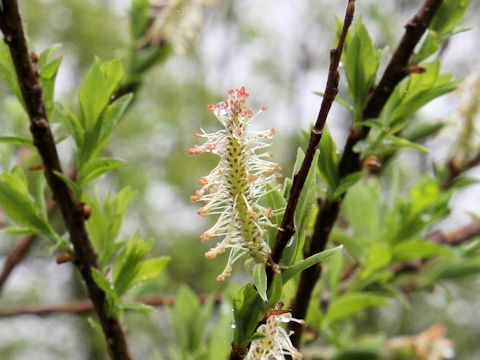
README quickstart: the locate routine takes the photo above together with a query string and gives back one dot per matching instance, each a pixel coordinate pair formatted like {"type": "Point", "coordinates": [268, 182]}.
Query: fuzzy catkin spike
{"type": "Point", "coordinates": [276, 342]}
{"type": "Point", "coordinates": [234, 187]}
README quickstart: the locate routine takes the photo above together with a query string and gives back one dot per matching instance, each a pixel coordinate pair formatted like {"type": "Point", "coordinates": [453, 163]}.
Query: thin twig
{"type": "Point", "coordinates": [21, 250]}
{"type": "Point", "coordinates": [287, 226]}
{"type": "Point", "coordinates": [72, 213]}
{"type": "Point", "coordinates": [395, 72]}
{"type": "Point", "coordinates": [15, 257]}
{"type": "Point", "coordinates": [454, 170]}
{"type": "Point", "coordinates": [85, 307]}
{"type": "Point", "coordinates": [331, 89]}
{"type": "Point", "coordinates": [454, 238]}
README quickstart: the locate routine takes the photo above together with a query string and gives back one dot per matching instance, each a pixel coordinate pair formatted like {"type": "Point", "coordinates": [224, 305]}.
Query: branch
{"type": "Point", "coordinates": [15, 257]}
{"type": "Point", "coordinates": [395, 72]}
{"type": "Point", "coordinates": [86, 307]}
{"type": "Point", "coordinates": [20, 251]}
{"type": "Point", "coordinates": [453, 238]}
{"type": "Point", "coordinates": [14, 37]}
{"type": "Point", "coordinates": [454, 170]}
{"type": "Point", "coordinates": [287, 227]}
{"type": "Point", "coordinates": [331, 89]}
{"type": "Point", "coordinates": [458, 236]}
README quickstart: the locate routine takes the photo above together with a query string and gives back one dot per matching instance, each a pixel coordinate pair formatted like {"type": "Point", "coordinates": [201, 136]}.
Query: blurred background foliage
{"type": "Point", "coordinates": [279, 50]}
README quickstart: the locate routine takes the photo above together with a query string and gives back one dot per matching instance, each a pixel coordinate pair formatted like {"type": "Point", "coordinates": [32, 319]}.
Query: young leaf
{"type": "Point", "coordinates": [111, 117]}
{"type": "Point", "coordinates": [361, 60]}
{"type": "Point", "coordinates": [450, 14]}
{"type": "Point", "coordinates": [20, 206]}
{"type": "Point", "coordinates": [349, 304]}
{"type": "Point", "coordinates": [48, 66]}
{"type": "Point", "coordinates": [248, 310]}
{"type": "Point", "coordinates": [96, 168]}
{"type": "Point", "coordinates": [277, 203]}
{"type": "Point", "coordinates": [149, 269]}
{"type": "Point", "coordinates": [139, 307]}
{"type": "Point", "coordinates": [413, 93]}
{"type": "Point", "coordinates": [429, 46]}
{"type": "Point", "coordinates": [328, 161]}
{"type": "Point", "coordinates": [128, 264]}
{"type": "Point", "coordinates": [72, 123]}
{"type": "Point", "coordinates": [291, 271]}
{"type": "Point", "coordinates": [260, 280]}
{"type": "Point", "coordinates": [112, 296]}
{"type": "Point", "coordinates": [417, 249]}
{"type": "Point", "coordinates": [362, 208]}
{"type": "Point", "coordinates": [7, 72]}
{"type": "Point", "coordinates": [379, 256]}
{"type": "Point", "coordinates": [17, 140]}
{"type": "Point", "coordinates": [97, 87]}
{"type": "Point", "coordinates": [105, 222]}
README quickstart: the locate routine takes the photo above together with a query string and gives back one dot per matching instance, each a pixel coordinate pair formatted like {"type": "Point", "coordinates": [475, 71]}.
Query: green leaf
{"type": "Point", "coordinates": [379, 256]}
{"type": "Point", "coordinates": [102, 282]}
{"type": "Point", "coordinates": [98, 85]}
{"type": "Point", "coordinates": [401, 142]}
{"type": "Point", "coordinates": [308, 194]}
{"type": "Point", "coordinates": [128, 263]}
{"type": "Point", "coordinates": [346, 183]}
{"type": "Point", "coordinates": [48, 66]}
{"type": "Point", "coordinates": [350, 304]}
{"type": "Point", "coordinates": [139, 18]}
{"type": "Point", "coordinates": [361, 60]}
{"type": "Point", "coordinates": [275, 290]}
{"type": "Point", "coordinates": [248, 310]}
{"type": "Point", "coordinates": [113, 73]}
{"type": "Point", "coordinates": [356, 248]}
{"type": "Point", "coordinates": [291, 271]}
{"type": "Point", "coordinates": [138, 307]}
{"type": "Point", "coordinates": [260, 280]}
{"type": "Point", "coordinates": [149, 269]}
{"type": "Point", "coordinates": [190, 320]}
{"type": "Point", "coordinates": [417, 249]}
{"type": "Point", "coordinates": [17, 140]}
{"type": "Point", "coordinates": [362, 208]}
{"type": "Point", "coordinates": [96, 168]}
{"type": "Point", "coordinates": [110, 119]}
{"type": "Point", "coordinates": [450, 14]}
{"type": "Point", "coordinates": [105, 222]}
{"type": "Point", "coordinates": [328, 160]}
{"type": "Point", "coordinates": [413, 93]}
{"type": "Point", "coordinates": [7, 71]}
{"type": "Point", "coordinates": [12, 230]}
{"type": "Point", "coordinates": [69, 182]}
{"type": "Point", "coordinates": [422, 131]}
{"type": "Point", "coordinates": [72, 123]}
{"type": "Point", "coordinates": [111, 295]}
{"type": "Point", "coordinates": [304, 210]}
{"type": "Point", "coordinates": [20, 206]}
{"type": "Point", "coordinates": [450, 270]}
{"type": "Point", "coordinates": [429, 46]}
{"type": "Point", "coordinates": [277, 203]}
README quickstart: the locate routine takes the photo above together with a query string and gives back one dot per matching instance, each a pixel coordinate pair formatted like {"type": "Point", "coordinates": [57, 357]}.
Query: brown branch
{"type": "Point", "coordinates": [458, 236]}
{"type": "Point", "coordinates": [20, 251]}
{"type": "Point", "coordinates": [453, 238]}
{"type": "Point", "coordinates": [14, 37]}
{"type": "Point", "coordinates": [455, 170]}
{"type": "Point", "coordinates": [395, 72]}
{"type": "Point", "coordinates": [15, 257]}
{"type": "Point", "coordinates": [331, 89]}
{"type": "Point", "coordinates": [86, 307]}
{"type": "Point", "coordinates": [287, 226]}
